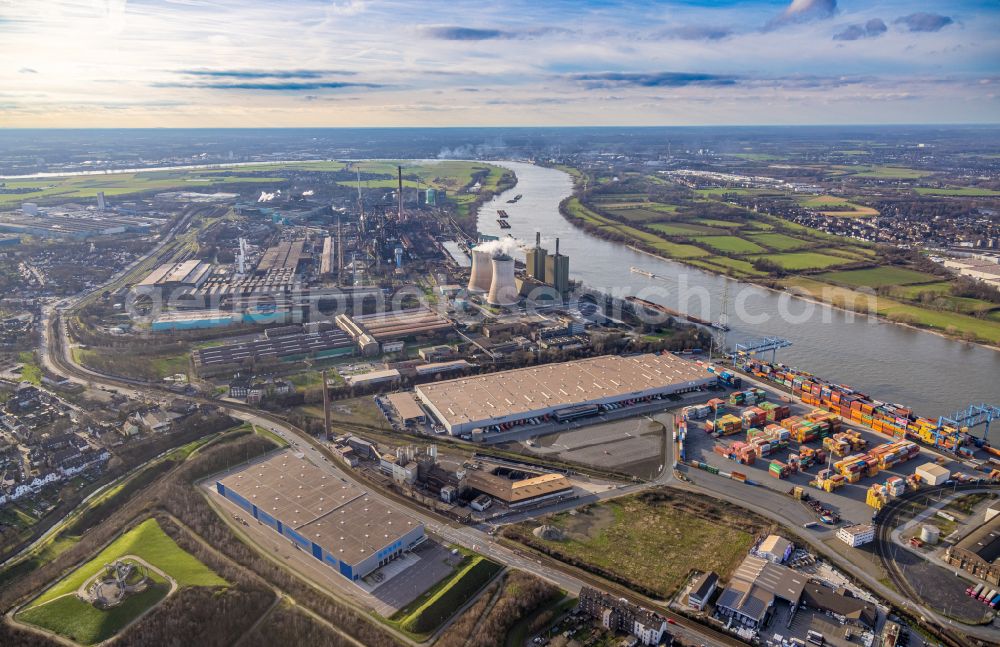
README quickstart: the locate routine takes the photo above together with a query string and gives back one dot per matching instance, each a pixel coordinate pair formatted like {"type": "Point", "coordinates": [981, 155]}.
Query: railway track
{"type": "Point", "coordinates": [885, 522]}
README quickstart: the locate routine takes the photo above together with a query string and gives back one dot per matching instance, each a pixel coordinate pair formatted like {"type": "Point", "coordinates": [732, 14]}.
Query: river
{"type": "Point", "coordinates": [934, 375]}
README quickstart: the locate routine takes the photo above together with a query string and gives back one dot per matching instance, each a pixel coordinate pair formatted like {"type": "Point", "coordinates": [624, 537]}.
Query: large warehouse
{"type": "Point", "coordinates": [335, 521]}
{"type": "Point", "coordinates": [470, 403]}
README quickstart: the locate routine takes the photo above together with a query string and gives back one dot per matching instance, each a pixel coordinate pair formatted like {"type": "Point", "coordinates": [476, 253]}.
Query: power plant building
{"type": "Point", "coordinates": [336, 522]}
{"type": "Point", "coordinates": [503, 287]}
{"type": "Point", "coordinates": [474, 403]}
{"type": "Point", "coordinates": [534, 260]}
{"type": "Point", "coordinates": [557, 271]}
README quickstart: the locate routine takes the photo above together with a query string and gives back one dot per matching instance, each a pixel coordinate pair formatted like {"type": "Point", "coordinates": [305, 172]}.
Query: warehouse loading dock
{"type": "Point", "coordinates": [476, 403]}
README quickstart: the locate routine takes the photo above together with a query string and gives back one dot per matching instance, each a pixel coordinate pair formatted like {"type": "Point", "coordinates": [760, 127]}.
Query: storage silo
{"type": "Point", "coordinates": [930, 534]}
{"type": "Point", "coordinates": [482, 272]}
{"type": "Point", "coordinates": [503, 289]}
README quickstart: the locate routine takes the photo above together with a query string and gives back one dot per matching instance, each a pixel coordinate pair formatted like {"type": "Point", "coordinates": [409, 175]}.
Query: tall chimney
{"type": "Point", "coordinates": [326, 407]}
{"type": "Point", "coordinates": [399, 216]}
{"type": "Point", "coordinates": [538, 239]}
{"type": "Point", "coordinates": [557, 247]}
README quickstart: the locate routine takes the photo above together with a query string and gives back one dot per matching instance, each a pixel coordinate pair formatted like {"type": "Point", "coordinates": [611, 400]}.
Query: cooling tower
{"type": "Point", "coordinates": [503, 290]}
{"type": "Point", "coordinates": [482, 272]}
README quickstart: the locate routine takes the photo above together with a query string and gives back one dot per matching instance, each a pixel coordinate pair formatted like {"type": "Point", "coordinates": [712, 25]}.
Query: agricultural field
{"type": "Point", "coordinates": [641, 214]}
{"type": "Point", "coordinates": [119, 184]}
{"type": "Point", "coordinates": [877, 277]}
{"type": "Point", "coordinates": [650, 542]}
{"type": "Point", "coordinates": [731, 244]}
{"type": "Point", "coordinates": [968, 192]}
{"type": "Point", "coordinates": [804, 260]}
{"type": "Point", "coordinates": [58, 608]}
{"type": "Point", "coordinates": [779, 242]}
{"type": "Point", "coordinates": [886, 172]}
{"type": "Point", "coordinates": [684, 229]}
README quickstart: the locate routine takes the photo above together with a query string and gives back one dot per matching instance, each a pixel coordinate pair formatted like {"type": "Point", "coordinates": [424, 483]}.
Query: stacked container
{"type": "Point", "coordinates": [753, 417]}
{"type": "Point", "coordinates": [852, 467]}
{"type": "Point", "coordinates": [891, 454]}
{"type": "Point", "coordinates": [725, 425]}
{"type": "Point", "coordinates": [778, 470]}
{"type": "Point", "coordinates": [696, 412]}
{"type": "Point", "coordinates": [775, 412]}
{"type": "Point", "coordinates": [895, 486]}
{"type": "Point", "coordinates": [890, 419]}
{"type": "Point", "coordinates": [877, 496]}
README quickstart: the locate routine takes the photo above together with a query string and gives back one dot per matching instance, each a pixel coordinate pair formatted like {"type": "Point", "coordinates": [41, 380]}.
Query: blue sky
{"type": "Point", "coordinates": [78, 63]}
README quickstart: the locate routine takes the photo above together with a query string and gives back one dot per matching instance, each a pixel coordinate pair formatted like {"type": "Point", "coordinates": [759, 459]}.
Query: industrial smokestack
{"type": "Point", "coordinates": [326, 408]}
{"type": "Point", "coordinates": [538, 239]}
{"type": "Point", "coordinates": [399, 171]}
{"type": "Point", "coordinates": [557, 247]}
{"type": "Point", "coordinates": [482, 271]}
{"type": "Point", "coordinates": [503, 289]}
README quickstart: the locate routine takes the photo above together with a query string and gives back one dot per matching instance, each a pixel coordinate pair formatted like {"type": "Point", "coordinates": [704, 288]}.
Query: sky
{"type": "Point", "coordinates": [260, 63]}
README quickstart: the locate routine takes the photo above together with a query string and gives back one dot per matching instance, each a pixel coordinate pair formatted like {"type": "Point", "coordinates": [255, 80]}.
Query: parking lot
{"type": "Point", "coordinates": [633, 445]}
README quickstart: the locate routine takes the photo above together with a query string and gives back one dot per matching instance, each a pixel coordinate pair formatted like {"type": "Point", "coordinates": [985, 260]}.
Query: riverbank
{"type": "Point", "coordinates": [982, 332]}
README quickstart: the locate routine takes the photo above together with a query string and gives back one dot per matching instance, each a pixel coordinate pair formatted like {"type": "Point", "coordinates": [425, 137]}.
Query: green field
{"type": "Point", "coordinates": [684, 229]}
{"type": "Point", "coordinates": [653, 545]}
{"type": "Point", "coordinates": [679, 250]}
{"type": "Point", "coordinates": [969, 192]}
{"type": "Point", "coordinates": [914, 291]}
{"type": "Point", "coordinates": [955, 323]}
{"type": "Point", "coordinates": [436, 605]}
{"type": "Point", "coordinates": [73, 618]}
{"type": "Point", "coordinates": [640, 214]}
{"type": "Point", "coordinates": [725, 224]}
{"type": "Point", "coordinates": [780, 242]}
{"type": "Point", "coordinates": [877, 277]}
{"type": "Point", "coordinates": [816, 202]}
{"type": "Point", "coordinates": [804, 260]}
{"type": "Point", "coordinates": [888, 172]}
{"type": "Point", "coordinates": [87, 186]}
{"type": "Point", "coordinates": [59, 610]}
{"type": "Point", "coordinates": [731, 244]}
{"type": "Point", "coordinates": [740, 266]}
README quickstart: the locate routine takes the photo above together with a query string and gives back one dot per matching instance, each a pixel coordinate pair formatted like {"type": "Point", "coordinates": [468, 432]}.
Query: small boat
{"type": "Point", "coordinates": [637, 270]}
{"type": "Point", "coordinates": [718, 325]}
{"type": "Point", "coordinates": [503, 224]}
{"type": "Point", "coordinates": [515, 199]}
{"type": "Point", "coordinates": [502, 213]}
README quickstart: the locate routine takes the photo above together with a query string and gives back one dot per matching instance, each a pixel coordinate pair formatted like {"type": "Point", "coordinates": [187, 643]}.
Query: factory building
{"type": "Point", "coordinates": [285, 348]}
{"type": "Point", "coordinates": [560, 391]}
{"type": "Point", "coordinates": [171, 276]}
{"type": "Point", "coordinates": [336, 522]}
{"type": "Point", "coordinates": [370, 331]}
{"type": "Point", "coordinates": [978, 552]}
{"type": "Point", "coordinates": [192, 320]}
{"type": "Point", "coordinates": [506, 486]}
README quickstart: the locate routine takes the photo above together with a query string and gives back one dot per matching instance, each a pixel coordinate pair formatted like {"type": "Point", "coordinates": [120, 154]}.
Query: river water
{"type": "Point", "coordinates": [934, 375]}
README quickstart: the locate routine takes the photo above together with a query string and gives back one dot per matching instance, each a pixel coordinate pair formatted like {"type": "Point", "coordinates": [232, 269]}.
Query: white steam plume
{"type": "Point", "coordinates": [507, 246]}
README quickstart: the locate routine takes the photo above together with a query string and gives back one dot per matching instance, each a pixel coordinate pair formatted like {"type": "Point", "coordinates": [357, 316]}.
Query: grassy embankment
{"type": "Point", "coordinates": [438, 603]}
{"type": "Point", "coordinates": [58, 608]}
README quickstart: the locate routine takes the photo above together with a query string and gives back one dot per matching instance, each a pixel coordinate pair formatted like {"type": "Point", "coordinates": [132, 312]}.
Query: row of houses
{"type": "Point", "coordinates": [618, 614]}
